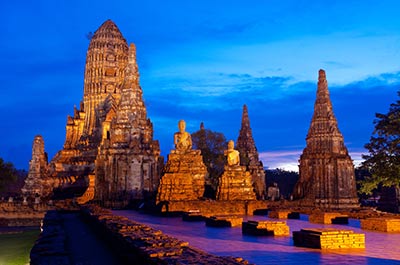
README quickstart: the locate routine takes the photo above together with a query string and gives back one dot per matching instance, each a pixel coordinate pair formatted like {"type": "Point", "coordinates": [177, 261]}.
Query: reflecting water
{"type": "Point", "coordinates": [381, 248]}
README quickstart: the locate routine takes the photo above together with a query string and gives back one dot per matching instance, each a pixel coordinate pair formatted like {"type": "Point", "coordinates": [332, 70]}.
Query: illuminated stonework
{"type": "Point", "coordinates": [326, 170]}
{"type": "Point", "coordinates": [109, 139]}
{"type": "Point", "coordinates": [184, 174]}
{"type": "Point", "coordinates": [235, 184]}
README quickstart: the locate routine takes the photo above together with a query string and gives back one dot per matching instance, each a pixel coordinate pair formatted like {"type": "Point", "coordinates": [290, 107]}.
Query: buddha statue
{"type": "Point", "coordinates": [182, 139]}
{"type": "Point", "coordinates": [232, 155]}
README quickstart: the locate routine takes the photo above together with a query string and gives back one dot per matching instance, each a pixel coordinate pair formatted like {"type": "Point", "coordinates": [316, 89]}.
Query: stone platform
{"type": "Point", "coordinates": [184, 177]}
{"type": "Point", "coordinates": [381, 224]}
{"type": "Point", "coordinates": [327, 238]}
{"type": "Point", "coordinates": [328, 218]}
{"type": "Point", "coordinates": [235, 184]}
{"type": "Point", "coordinates": [265, 228]}
{"type": "Point", "coordinates": [210, 208]}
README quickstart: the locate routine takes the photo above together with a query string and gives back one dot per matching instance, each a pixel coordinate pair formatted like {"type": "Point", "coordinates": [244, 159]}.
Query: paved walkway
{"type": "Point", "coordinates": [381, 248]}
{"type": "Point", "coordinates": [85, 246]}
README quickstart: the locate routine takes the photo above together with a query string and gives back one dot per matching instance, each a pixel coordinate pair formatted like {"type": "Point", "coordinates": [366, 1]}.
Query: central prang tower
{"type": "Point", "coordinates": [109, 140]}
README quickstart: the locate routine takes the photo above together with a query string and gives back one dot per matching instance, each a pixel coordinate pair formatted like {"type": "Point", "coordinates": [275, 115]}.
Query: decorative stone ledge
{"type": "Point", "coordinates": [381, 224]}
{"type": "Point", "coordinates": [327, 238]}
{"type": "Point", "coordinates": [265, 228]}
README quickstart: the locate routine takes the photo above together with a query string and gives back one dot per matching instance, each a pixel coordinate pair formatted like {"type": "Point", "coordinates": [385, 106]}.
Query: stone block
{"type": "Point", "coordinates": [224, 221]}
{"type": "Point", "coordinates": [388, 225]}
{"type": "Point", "coordinates": [265, 228]}
{"type": "Point", "coordinates": [279, 214]}
{"type": "Point", "coordinates": [327, 218]}
{"type": "Point", "coordinates": [326, 238]}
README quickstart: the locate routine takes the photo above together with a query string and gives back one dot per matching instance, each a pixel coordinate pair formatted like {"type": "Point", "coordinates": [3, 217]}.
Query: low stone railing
{"type": "Point", "coordinates": [50, 248]}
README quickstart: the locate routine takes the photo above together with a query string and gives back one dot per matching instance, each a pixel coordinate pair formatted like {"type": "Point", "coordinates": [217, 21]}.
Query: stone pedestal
{"type": "Point", "coordinates": [235, 184]}
{"type": "Point", "coordinates": [184, 177]}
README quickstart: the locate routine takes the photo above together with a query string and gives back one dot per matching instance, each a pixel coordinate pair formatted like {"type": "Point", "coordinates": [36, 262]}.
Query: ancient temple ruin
{"type": "Point", "coordinates": [249, 156]}
{"type": "Point", "coordinates": [326, 170]}
{"type": "Point", "coordinates": [109, 144]}
{"type": "Point", "coordinates": [184, 174]}
{"type": "Point", "coordinates": [127, 164]}
{"type": "Point", "coordinates": [37, 184]}
{"type": "Point", "coordinates": [235, 183]}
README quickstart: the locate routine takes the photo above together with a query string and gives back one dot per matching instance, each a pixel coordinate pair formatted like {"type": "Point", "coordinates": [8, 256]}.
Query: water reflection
{"type": "Point", "coordinates": [274, 250]}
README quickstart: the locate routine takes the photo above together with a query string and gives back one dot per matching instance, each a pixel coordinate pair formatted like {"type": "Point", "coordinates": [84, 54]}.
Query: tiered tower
{"type": "Point", "coordinates": [36, 184]}
{"type": "Point", "coordinates": [127, 165]}
{"type": "Point", "coordinates": [249, 156]}
{"type": "Point", "coordinates": [106, 59]}
{"type": "Point", "coordinates": [109, 142]}
{"type": "Point", "coordinates": [326, 170]}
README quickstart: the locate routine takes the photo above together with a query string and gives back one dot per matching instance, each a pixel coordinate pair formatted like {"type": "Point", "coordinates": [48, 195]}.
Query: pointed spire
{"type": "Point", "coordinates": [245, 142]}
{"type": "Point", "coordinates": [324, 127]}
{"type": "Point", "coordinates": [326, 169]}
{"type": "Point", "coordinates": [201, 126]}
{"type": "Point", "coordinates": [245, 117]}
{"type": "Point", "coordinates": [249, 156]}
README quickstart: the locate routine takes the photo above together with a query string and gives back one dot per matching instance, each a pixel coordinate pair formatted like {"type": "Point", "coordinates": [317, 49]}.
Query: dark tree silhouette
{"type": "Point", "coordinates": [383, 160]}
{"type": "Point", "coordinates": [8, 174]}
{"type": "Point", "coordinates": [212, 145]}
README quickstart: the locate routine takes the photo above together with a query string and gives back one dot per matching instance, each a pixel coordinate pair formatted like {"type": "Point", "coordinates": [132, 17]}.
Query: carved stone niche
{"type": "Point", "coordinates": [110, 72]}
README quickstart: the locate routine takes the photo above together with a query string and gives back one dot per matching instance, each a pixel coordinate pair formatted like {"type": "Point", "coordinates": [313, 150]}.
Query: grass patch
{"type": "Point", "coordinates": [15, 248]}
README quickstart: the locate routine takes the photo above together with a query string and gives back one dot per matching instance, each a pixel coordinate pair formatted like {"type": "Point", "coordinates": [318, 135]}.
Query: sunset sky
{"type": "Point", "coordinates": [201, 61]}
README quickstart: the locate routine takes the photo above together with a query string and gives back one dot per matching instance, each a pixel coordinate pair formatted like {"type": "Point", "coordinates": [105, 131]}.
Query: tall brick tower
{"type": "Point", "coordinates": [127, 165]}
{"type": "Point", "coordinates": [249, 156]}
{"type": "Point", "coordinates": [109, 142]}
{"type": "Point", "coordinates": [326, 170]}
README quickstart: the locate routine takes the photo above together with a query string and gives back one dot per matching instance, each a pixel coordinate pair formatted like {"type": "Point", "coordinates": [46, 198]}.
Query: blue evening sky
{"type": "Point", "coordinates": [201, 61]}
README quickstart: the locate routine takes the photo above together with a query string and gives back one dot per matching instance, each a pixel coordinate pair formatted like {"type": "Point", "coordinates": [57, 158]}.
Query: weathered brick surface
{"type": "Point", "coordinates": [328, 239]}
{"type": "Point", "coordinates": [183, 178]}
{"type": "Point", "coordinates": [209, 208]}
{"type": "Point", "coordinates": [266, 228]}
{"type": "Point", "coordinates": [142, 244]}
{"type": "Point", "coordinates": [235, 184]}
{"type": "Point", "coordinates": [325, 218]}
{"type": "Point", "coordinates": [279, 214]}
{"type": "Point", "coordinates": [326, 169]}
{"type": "Point", "coordinates": [381, 224]}
{"type": "Point", "coordinates": [224, 221]}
